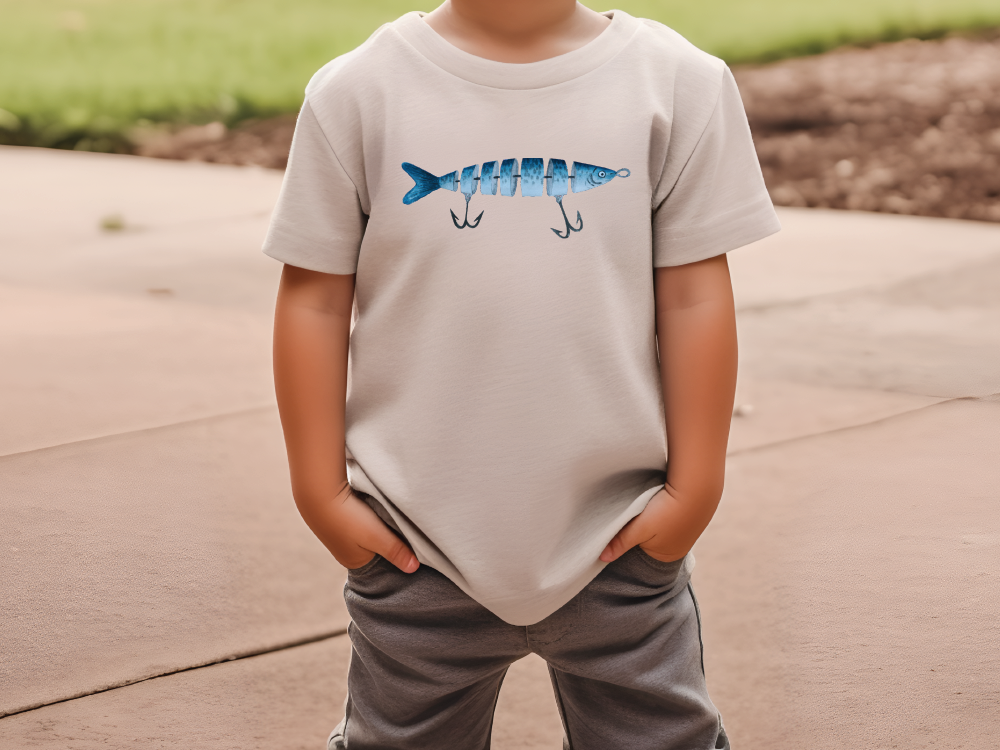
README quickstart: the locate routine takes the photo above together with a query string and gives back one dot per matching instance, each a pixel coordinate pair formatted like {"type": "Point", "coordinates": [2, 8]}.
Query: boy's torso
{"type": "Point", "coordinates": [504, 405]}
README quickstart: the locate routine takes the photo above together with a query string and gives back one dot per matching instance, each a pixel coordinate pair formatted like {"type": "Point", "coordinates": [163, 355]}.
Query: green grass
{"type": "Point", "coordinates": [89, 69]}
{"type": "Point", "coordinates": [762, 30]}
{"type": "Point", "coordinates": [81, 73]}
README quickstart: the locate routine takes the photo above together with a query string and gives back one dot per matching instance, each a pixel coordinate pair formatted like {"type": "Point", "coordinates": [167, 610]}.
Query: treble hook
{"type": "Point", "coordinates": [465, 223]}
{"type": "Point", "coordinates": [569, 227]}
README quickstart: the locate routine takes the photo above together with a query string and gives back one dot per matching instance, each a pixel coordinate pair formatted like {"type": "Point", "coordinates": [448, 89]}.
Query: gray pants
{"type": "Point", "coordinates": [624, 655]}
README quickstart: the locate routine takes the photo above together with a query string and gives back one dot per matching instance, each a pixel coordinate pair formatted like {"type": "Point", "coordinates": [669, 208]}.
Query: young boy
{"type": "Point", "coordinates": [526, 205]}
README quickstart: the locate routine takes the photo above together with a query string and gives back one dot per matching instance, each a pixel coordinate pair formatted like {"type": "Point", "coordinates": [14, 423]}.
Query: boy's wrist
{"type": "Point", "coordinates": [681, 521]}
{"type": "Point", "coordinates": [668, 526]}
{"type": "Point", "coordinates": [698, 482]}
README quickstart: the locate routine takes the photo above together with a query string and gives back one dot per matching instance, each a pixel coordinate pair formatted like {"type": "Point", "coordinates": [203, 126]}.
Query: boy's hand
{"type": "Point", "coordinates": [312, 332]}
{"type": "Point", "coordinates": [696, 337]}
{"type": "Point", "coordinates": [662, 530]}
{"type": "Point", "coordinates": [354, 534]}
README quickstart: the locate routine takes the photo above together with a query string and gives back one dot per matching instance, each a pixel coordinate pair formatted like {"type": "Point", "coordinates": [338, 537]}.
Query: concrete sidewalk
{"type": "Point", "coordinates": [159, 589]}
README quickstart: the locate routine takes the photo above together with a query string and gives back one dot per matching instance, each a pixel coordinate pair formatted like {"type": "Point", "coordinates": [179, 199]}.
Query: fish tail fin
{"type": "Point", "coordinates": [424, 183]}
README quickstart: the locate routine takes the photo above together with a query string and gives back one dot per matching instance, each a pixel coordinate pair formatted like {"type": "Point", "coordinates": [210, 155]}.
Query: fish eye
{"type": "Point", "coordinates": [602, 173]}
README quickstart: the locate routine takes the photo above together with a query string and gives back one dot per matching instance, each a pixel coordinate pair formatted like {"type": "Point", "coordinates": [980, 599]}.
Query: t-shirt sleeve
{"type": "Point", "coordinates": [717, 202]}
{"type": "Point", "coordinates": [318, 222]}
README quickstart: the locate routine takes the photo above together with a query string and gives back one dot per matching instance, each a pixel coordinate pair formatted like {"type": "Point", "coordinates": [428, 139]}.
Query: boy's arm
{"type": "Point", "coordinates": [696, 332]}
{"type": "Point", "coordinates": [312, 328]}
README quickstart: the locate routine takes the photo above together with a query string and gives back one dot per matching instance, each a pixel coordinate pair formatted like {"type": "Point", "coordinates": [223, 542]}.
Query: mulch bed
{"type": "Point", "coordinates": [263, 143]}
{"type": "Point", "coordinates": [910, 127]}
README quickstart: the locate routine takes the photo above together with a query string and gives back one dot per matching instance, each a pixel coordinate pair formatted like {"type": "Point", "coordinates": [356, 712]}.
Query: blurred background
{"type": "Point", "coordinates": [157, 587]}
{"type": "Point", "coordinates": [906, 128]}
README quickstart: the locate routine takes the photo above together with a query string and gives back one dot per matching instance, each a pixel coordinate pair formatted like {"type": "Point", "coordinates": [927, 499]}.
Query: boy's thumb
{"type": "Point", "coordinates": [621, 544]}
{"type": "Point", "coordinates": [395, 551]}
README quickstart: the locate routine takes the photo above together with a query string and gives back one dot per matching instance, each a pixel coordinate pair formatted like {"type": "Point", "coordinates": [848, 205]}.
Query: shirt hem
{"type": "Point", "coordinates": [310, 264]}
{"type": "Point", "coordinates": [683, 246]}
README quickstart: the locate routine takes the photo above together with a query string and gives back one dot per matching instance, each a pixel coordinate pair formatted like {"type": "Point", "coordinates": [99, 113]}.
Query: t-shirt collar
{"type": "Point", "coordinates": [550, 72]}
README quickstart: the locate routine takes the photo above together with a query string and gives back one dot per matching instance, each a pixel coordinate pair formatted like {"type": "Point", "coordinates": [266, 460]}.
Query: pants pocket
{"type": "Point", "coordinates": [637, 573]}
{"type": "Point", "coordinates": [667, 566]}
{"type": "Point", "coordinates": [367, 567]}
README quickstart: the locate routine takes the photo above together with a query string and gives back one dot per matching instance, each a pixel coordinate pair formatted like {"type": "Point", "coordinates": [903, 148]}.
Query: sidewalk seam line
{"type": "Point", "coordinates": [847, 428]}
{"type": "Point", "coordinates": [874, 286]}
{"type": "Point", "coordinates": [223, 660]}
{"type": "Point", "coordinates": [153, 428]}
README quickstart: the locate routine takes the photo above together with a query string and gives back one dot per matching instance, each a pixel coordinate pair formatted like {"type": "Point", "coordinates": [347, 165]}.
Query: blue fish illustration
{"type": "Point", "coordinates": [535, 176]}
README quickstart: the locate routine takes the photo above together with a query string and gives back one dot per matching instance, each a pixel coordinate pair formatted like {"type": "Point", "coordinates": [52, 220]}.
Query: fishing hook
{"type": "Point", "coordinates": [465, 223]}
{"type": "Point", "coordinates": [569, 227]}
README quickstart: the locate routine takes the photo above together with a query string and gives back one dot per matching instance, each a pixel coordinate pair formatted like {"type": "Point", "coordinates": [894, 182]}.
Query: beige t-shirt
{"type": "Point", "coordinates": [504, 221]}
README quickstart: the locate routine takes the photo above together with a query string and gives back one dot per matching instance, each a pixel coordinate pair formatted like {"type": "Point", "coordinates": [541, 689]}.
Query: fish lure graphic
{"type": "Point", "coordinates": [554, 180]}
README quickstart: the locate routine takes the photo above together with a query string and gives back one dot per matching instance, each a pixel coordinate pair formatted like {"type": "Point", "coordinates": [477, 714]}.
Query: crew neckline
{"type": "Point", "coordinates": [504, 75]}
